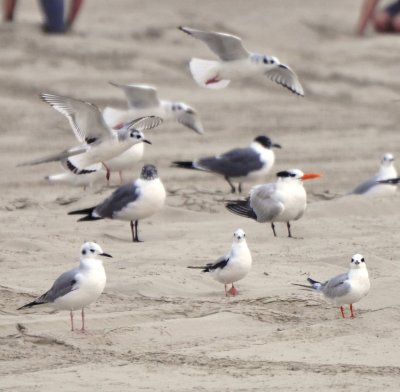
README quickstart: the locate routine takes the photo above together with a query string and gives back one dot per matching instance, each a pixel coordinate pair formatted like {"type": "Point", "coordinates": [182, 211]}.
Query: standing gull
{"type": "Point", "coordinates": [99, 142]}
{"type": "Point", "coordinates": [233, 266]}
{"type": "Point", "coordinates": [79, 287]}
{"type": "Point", "coordinates": [143, 101]}
{"type": "Point", "coordinates": [282, 201]}
{"type": "Point", "coordinates": [243, 164]}
{"type": "Point", "coordinates": [130, 202]}
{"type": "Point", "coordinates": [374, 185]}
{"type": "Point", "coordinates": [347, 288]}
{"type": "Point", "coordinates": [236, 62]}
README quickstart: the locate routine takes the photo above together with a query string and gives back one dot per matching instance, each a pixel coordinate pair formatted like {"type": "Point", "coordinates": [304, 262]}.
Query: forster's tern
{"type": "Point", "coordinates": [375, 185]}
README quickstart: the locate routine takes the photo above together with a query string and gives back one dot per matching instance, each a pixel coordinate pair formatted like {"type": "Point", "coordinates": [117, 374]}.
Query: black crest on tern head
{"type": "Point", "coordinates": [149, 172]}
{"type": "Point", "coordinates": [285, 173]}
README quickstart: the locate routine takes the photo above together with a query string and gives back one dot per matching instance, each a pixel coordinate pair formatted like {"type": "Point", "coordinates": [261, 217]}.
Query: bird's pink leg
{"type": "Point", "coordinates": [352, 314]}
{"type": "Point", "coordinates": [71, 316]}
{"type": "Point", "coordinates": [342, 311]}
{"type": "Point", "coordinates": [233, 291]}
{"type": "Point", "coordinates": [83, 321]}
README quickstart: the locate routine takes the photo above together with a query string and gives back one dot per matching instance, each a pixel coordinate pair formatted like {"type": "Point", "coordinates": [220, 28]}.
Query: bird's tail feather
{"type": "Point", "coordinates": [205, 73]}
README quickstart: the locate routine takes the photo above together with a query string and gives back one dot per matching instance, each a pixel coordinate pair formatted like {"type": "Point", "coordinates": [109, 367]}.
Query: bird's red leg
{"type": "Point", "coordinates": [233, 291]}
{"type": "Point", "coordinates": [342, 311]}
{"type": "Point", "coordinates": [352, 314]}
{"type": "Point", "coordinates": [71, 316]}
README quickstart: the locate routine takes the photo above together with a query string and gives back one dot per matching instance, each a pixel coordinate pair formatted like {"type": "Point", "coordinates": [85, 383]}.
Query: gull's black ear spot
{"type": "Point", "coordinates": [84, 252]}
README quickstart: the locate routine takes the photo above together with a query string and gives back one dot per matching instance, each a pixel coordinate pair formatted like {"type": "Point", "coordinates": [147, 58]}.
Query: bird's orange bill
{"type": "Point", "coordinates": [310, 176]}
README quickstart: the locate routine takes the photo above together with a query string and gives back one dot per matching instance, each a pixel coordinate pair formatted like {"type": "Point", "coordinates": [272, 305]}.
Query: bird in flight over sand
{"type": "Point", "coordinates": [236, 62]}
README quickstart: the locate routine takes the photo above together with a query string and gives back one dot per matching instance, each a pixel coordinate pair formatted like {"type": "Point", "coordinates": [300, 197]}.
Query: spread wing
{"type": "Point", "coordinates": [284, 76]}
{"type": "Point", "coordinates": [139, 96]}
{"type": "Point", "coordinates": [85, 118]}
{"type": "Point", "coordinates": [226, 46]}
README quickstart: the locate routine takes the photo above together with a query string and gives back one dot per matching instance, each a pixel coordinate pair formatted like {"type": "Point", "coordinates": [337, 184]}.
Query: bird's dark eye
{"type": "Point", "coordinates": [92, 250]}
{"type": "Point", "coordinates": [84, 252]}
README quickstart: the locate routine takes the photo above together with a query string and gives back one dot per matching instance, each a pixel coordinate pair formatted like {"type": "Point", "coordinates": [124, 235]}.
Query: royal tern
{"type": "Point", "coordinates": [79, 287]}
{"type": "Point", "coordinates": [143, 101]}
{"type": "Point", "coordinates": [373, 186]}
{"type": "Point", "coordinates": [282, 201]}
{"type": "Point", "coordinates": [233, 266]}
{"type": "Point", "coordinates": [130, 202]}
{"type": "Point", "coordinates": [243, 164]}
{"type": "Point", "coordinates": [236, 62]}
{"type": "Point", "coordinates": [347, 288]}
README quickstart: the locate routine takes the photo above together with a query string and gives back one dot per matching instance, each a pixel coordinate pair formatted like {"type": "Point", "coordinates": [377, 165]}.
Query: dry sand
{"type": "Point", "coordinates": [158, 325]}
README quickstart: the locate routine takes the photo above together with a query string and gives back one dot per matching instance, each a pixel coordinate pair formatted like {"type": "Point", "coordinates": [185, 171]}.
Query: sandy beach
{"type": "Point", "coordinates": [161, 326]}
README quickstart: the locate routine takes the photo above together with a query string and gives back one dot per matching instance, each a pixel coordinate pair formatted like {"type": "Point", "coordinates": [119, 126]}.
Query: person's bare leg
{"type": "Point", "coordinates": [396, 23]}
{"type": "Point", "coordinates": [8, 10]}
{"type": "Point", "coordinates": [382, 21]}
{"type": "Point", "coordinates": [74, 7]}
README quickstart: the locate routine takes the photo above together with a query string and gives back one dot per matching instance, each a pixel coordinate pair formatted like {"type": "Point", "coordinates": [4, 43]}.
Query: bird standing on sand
{"type": "Point", "coordinates": [282, 201]}
{"type": "Point", "coordinates": [130, 202]}
{"type": "Point", "coordinates": [79, 287]}
{"type": "Point", "coordinates": [347, 288]}
{"type": "Point", "coordinates": [233, 266]}
{"type": "Point", "coordinates": [375, 186]}
{"type": "Point", "coordinates": [242, 164]}
{"type": "Point", "coordinates": [236, 62]}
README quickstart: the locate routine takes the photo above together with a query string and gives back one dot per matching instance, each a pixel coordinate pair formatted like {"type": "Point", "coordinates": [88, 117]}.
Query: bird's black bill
{"type": "Point", "coordinates": [276, 145]}
{"type": "Point", "coordinates": [105, 254]}
{"type": "Point", "coordinates": [147, 141]}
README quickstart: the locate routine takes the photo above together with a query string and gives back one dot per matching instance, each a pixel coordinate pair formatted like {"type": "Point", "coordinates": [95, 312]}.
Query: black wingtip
{"type": "Point", "coordinates": [88, 218]}
{"type": "Point", "coordinates": [33, 303]}
{"type": "Point", "coordinates": [312, 281]}
{"type": "Point", "coordinates": [183, 164]}
{"type": "Point", "coordinates": [85, 211]}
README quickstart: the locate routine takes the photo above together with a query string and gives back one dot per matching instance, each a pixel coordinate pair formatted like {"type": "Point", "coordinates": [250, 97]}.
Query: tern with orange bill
{"type": "Point", "coordinates": [282, 201]}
